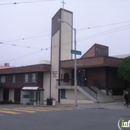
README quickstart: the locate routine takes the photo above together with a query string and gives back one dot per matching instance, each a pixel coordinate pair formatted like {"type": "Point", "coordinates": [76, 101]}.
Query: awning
{"type": "Point", "coordinates": [31, 88]}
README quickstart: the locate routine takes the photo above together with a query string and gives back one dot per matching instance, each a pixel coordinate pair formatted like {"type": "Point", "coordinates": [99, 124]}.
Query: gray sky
{"type": "Point", "coordinates": [34, 19]}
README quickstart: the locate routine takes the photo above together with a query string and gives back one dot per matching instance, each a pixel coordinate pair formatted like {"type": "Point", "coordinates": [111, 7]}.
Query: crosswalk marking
{"type": "Point", "coordinates": [8, 112]}
{"type": "Point", "coordinates": [20, 110]}
{"type": "Point", "coordinates": [31, 109]}
{"type": "Point", "coordinates": [46, 109]}
{"type": "Point", "coordinates": [28, 111]}
{"type": "Point", "coordinates": [39, 108]}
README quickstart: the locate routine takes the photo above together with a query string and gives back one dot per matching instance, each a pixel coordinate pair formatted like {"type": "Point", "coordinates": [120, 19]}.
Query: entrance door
{"type": "Point", "coordinates": [81, 77]}
{"type": "Point", "coordinates": [17, 94]}
{"type": "Point", "coordinates": [6, 94]}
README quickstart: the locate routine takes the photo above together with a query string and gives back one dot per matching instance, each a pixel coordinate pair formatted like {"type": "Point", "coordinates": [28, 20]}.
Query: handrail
{"type": "Point", "coordinates": [102, 86]}
{"type": "Point", "coordinates": [90, 90]}
{"type": "Point", "coordinates": [62, 79]}
{"type": "Point", "coordinates": [81, 86]}
{"type": "Point", "coordinates": [86, 85]}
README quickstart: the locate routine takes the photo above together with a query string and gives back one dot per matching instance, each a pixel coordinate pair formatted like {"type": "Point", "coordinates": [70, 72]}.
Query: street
{"type": "Point", "coordinates": [60, 118]}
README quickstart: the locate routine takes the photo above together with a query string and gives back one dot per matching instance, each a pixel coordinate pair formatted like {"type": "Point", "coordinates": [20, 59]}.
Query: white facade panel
{"type": "Point", "coordinates": [11, 95]}
{"type": "Point", "coordinates": [61, 46]}
{"type": "Point", "coordinates": [70, 95]}
{"type": "Point", "coordinates": [46, 85]}
{"type": "Point", "coordinates": [55, 65]}
{"type": "Point", "coordinates": [66, 36]}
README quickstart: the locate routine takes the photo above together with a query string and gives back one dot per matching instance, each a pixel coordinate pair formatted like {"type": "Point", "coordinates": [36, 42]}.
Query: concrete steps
{"type": "Point", "coordinates": [88, 93]}
{"type": "Point", "coordinates": [101, 96]}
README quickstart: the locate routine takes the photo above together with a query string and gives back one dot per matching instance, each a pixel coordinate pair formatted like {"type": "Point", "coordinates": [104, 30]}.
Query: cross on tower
{"type": "Point", "coordinates": [63, 3]}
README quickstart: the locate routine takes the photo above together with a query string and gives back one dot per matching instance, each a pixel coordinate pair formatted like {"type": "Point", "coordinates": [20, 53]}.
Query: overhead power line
{"type": "Point", "coordinates": [22, 56]}
{"type": "Point", "coordinates": [79, 40]}
{"type": "Point", "coordinates": [107, 32]}
{"type": "Point", "coordinates": [29, 47]}
{"type": "Point", "coordinates": [103, 25]}
{"type": "Point", "coordinates": [98, 35]}
{"type": "Point", "coordinates": [22, 39]}
{"type": "Point", "coordinates": [24, 2]}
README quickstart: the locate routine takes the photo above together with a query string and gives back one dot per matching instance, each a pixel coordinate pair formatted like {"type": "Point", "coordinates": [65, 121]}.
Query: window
{"type": "Point", "coordinates": [66, 77]}
{"type": "Point", "coordinates": [63, 93]}
{"type": "Point", "coordinates": [2, 79]}
{"type": "Point", "coordinates": [26, 78]}
{"type": "Point", "coordinates": [33, 77]}
{"type": "Point", "coordinates": [13, 78]}
{"type": "Point", "coordinates": [101, 52]}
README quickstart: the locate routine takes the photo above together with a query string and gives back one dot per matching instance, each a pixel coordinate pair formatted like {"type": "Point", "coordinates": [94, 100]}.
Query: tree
{"type": "Point", "coordinates": [124, 69]}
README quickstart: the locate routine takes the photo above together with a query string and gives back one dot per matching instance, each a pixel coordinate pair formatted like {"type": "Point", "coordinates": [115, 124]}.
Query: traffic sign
{"type": "Point", "coordinates": [75, 52]}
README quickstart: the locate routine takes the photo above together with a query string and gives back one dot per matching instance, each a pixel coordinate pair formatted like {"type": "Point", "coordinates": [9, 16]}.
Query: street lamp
{"type": "Point", "coordinates": [75, 61]}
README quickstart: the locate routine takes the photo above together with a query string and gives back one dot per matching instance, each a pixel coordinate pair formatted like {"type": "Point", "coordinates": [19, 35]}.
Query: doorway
{"type": "Point", "coordinates": [81, 77]}
{"type": "Point", "coordinates": [6, 94]}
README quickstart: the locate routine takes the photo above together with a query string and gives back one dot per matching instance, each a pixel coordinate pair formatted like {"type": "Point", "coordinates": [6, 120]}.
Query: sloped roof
{"type": "Point", "coordinates": [92, 52]}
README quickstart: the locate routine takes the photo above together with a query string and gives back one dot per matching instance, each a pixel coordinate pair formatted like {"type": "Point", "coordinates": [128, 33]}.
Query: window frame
{"type": "Point", "coordinates": [3, 76]}
{"type": "Point", "coordinates": [31, 77]}
{"type": "Point", "coordinates": [26, 80]}
{"type": "Point", "coordinates": [13, 81]}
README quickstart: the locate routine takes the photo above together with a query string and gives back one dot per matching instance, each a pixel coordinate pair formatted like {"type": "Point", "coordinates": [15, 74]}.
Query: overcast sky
{"type": "Point", "coordinates": [34, 19]}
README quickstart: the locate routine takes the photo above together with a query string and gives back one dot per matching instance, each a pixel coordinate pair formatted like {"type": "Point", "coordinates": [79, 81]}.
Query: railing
{"type": "Point", "coordinates": [63, 82]}
{"type": "Point", "coordinates": [86, 87]}
{"type": "Point", "coordinates": [89, 90]}
{"type": "Point", "coordinates": [102, 87]}
{"type": "Point", "coordinates": [83, 85]}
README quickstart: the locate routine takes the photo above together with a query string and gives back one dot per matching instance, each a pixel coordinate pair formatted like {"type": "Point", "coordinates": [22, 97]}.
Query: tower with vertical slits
{"type": "Point", "coordinates": [61, 45]}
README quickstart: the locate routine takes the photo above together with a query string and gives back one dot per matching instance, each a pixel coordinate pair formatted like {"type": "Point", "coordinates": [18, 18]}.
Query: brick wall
{"type": "Point", "coordinates": [89, 53]}
{"type": "Point", "coordinates": [114, 83]}
{"type": "Point", "coordinates": [98, 74]}
{"type": "Point", "coordinates": [92, 62]}
{"type": "Point", "coordinates": [20, 81]}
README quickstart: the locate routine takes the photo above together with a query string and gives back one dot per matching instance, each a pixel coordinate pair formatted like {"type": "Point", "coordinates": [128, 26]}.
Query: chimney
{"type": "Point", "coordinates": [6, 64]}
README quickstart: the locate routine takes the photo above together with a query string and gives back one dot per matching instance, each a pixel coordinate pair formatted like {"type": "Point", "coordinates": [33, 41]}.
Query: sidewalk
{"type": "Point", "coordinates": [112, 105]}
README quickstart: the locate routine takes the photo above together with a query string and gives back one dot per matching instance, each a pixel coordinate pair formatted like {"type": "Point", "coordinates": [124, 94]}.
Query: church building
{"type": "Point", "coordinates": [96, 72]}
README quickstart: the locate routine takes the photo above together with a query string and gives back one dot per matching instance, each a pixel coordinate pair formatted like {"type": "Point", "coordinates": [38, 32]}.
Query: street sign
{"type": "Point", "coordinates": [75, 52]}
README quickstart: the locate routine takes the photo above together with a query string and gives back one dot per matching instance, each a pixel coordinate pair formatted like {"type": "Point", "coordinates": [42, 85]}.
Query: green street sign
{"type": "Point", "coordinates": [75, 52]}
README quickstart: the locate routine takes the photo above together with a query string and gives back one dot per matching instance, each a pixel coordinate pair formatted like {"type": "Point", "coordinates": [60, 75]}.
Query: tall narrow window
{"type": "Point", "coordinates": [33, 79]}
{"type": "Point", "coordinates": [26, 78]}
{"type": "Point", "coordinates": [2, 79]}
{"type": "Point", "coordinates": [66, 77]}
{"type": "Point", "coordinates": [13, 78]}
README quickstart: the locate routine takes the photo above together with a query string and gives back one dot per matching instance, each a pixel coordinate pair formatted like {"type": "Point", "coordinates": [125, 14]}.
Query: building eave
{"type": "Point", "coordinates": [92, 62]}
{"type": "Point", "coordinates": [26, 69]}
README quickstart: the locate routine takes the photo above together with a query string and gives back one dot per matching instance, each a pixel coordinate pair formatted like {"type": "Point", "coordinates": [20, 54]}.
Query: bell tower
{"type": "Point", "coordinates": [61, 45]}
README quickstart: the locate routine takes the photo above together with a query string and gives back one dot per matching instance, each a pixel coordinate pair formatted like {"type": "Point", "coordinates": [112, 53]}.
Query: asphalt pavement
{"type": "Point", "coordinates": [103, 116]}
